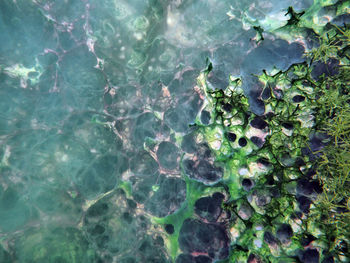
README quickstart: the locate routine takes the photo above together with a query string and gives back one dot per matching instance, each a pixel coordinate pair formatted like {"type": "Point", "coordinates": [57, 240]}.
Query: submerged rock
{"type": "Point", "coordinates": [209, 208]}
{"type": "Point", "coordinates": [168, 198]}
{"type": "Point", "coordinates": [202, 238]}
{"type": "Point", "coordinates": [168, 155]}
{"type": "Point", "coordinates": [202, 171]}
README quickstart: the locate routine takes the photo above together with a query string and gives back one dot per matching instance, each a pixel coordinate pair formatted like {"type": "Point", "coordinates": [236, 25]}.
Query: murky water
{"type": "Point", "coordinates": [97, 102]}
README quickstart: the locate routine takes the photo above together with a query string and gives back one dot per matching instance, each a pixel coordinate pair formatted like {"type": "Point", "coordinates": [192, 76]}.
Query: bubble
{"type": "Point", "coordinates": [247, 184]}
{"type": "Point", "coordinates": [288, 125]}
{"type": "Point", "coordinates": [310, 256]}
{"type": "Point", "coordinates": [231, 136]}
{"type": "Point", "coordinates": [284, 233]}
{"type": "Point", "coordinates": [205, 117]}
{"type": "Point", "coordinates": [242, 142]}
{"type": "Point", "coordinates": [169, 228]}
{"type": "Point", "coordinates": [298, 98]}
{"type": "Point", "coordinates": [258, 123]}
{"type": "Point", "coordinates": [257, 141]}
{"type": "Point", "coordinates": [227, 107]}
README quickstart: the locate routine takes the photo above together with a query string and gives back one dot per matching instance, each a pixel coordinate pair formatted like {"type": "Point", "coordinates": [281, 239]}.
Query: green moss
{"type": "Point", "coordinates": [333, 208]}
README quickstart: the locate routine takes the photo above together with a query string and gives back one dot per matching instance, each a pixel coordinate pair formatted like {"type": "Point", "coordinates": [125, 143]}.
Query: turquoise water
{"type": "Point", "coordinates": [97, 102]}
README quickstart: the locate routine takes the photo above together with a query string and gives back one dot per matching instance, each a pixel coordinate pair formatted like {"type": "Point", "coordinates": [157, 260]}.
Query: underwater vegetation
{"type": "Point", "coordinates": [292, 160]}
{"type": "Point", "coordinates": [149, 131]}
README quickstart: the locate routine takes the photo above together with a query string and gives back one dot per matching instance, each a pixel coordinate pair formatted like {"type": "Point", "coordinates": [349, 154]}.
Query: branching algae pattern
{"type": "Point", "coordinates": [116, 145]}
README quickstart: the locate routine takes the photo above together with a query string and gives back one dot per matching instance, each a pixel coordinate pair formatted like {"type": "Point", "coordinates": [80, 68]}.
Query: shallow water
{"type": "Point", "coordinates": [97, 99]}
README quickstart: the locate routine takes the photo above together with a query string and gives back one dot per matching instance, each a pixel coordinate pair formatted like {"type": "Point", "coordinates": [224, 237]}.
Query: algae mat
{"type": "Point", "coordinates": [142, 131]}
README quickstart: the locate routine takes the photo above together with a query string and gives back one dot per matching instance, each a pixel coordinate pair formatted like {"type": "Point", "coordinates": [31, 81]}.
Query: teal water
{"type": "Point", "coordinates": [97, 98]}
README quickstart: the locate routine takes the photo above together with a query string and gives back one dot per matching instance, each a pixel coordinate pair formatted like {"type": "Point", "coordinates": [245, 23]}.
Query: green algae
{"type": "Point", "coordinates": [296, 106]}
{"type": "Point", "coordinates": [54, 245]}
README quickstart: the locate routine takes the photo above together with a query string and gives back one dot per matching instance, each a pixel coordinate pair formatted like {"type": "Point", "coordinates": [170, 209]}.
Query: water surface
{"type": "Point", "coordinates": [97, 98]}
